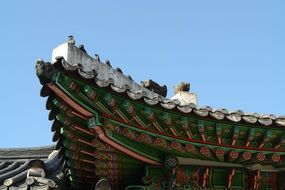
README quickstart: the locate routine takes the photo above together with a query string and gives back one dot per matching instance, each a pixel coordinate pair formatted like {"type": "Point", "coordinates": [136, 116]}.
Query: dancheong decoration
{"type": "Point", "coordinates": [113, 133]}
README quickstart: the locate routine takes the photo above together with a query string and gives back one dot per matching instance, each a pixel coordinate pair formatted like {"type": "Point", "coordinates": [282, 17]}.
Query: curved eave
{"type": "Point", "coordinates": [66, 73]}
{"type": "Point", "coordinates": [152, 99]}
{"type": "Point", "coordinates": [87, 113]}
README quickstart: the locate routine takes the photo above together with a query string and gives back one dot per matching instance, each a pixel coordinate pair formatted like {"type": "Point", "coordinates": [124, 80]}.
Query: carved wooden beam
{"type": "Point", "coordinates": [235, 135]}
{"type": "Point", "coordinates": [152, 118]}
{"type": "Point", "coordinates": [281, 142]}
{"type": "Point", "coordinates": [168, 121]}
{"type": "Point", "coordinates": [265, 138]}
{"type": "Point", "coordinates": [250, 137]}
{"type": "Point", "coordinates": [219, 133]}
{"type": "Point", "coordinates": [112, 102]}
{"type": "Point", "coordinates": [185, 125]}
{"type": "Point", "coordinates": [201, 128]}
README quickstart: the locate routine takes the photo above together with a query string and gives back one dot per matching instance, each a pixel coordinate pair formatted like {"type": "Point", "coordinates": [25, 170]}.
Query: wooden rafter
{"type": "Point", "coordinates": [219, 133]}
{"type": "Point", "coordinates": [201, 128]}
{"type": "Point", "coordinates": [230, 177]}
{"type": "Point", "coordinates": [235, 135]}
{"type": "Point", "coordinates": [266, 138]}
{"type": "Point", "coordinates": [250, 137]}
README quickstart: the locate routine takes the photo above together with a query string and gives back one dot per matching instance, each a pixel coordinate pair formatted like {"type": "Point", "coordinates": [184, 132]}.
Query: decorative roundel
{"type": "Point", "coordinates": [176, 146]}
{"type": "Point", "coordinates": [246, 155]}
{"type": "Point", "coordinates": [233, 154]}
{"type": "Point", "coordinates": [275, 158]}
{"type": "Point", "coordinates": [171, 162]}
{"type": "Point", "coordinates": [260, 156]}
{"type": "Point", "coordinates": [204, 150]}
{"type": "Point", "coordinates": [220, 152]}
{"type": "Point", "coordinates": [190, 148]}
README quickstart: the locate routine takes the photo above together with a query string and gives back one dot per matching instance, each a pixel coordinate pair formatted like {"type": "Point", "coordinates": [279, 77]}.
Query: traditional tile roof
{"type": "Point", "coordinates": [34, 168]}
{"type": "Point", "coordinates": [25, 154]}
{"type": "Point", "coordinates": [89, 68]}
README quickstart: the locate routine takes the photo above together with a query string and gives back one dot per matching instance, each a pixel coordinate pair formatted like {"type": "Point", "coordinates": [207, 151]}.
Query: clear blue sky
{"type": "Point", "coordinates": [232, 52]}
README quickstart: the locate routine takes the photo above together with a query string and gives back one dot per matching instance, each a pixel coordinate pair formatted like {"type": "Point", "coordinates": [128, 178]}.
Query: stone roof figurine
{"type": "Point", "coordinates": [183, 86]}
{"type": "Point", "coordinates": [97, 58]}
{"type": "Point", "coordinates": [81, 47]}
{"type": "Point", "coordinates": [151, 85]}
{"type": "Point", "coordinates": [44, 71]}
{"type": "Point", "coordinates": [71, 40]}
{"type": "Point", "coordinates": [182, 94]}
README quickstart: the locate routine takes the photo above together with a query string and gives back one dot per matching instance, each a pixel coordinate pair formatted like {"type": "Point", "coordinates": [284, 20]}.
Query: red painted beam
{"type": "Point", "coordinates": [100, 132]}
{"type": "Point", "coordinates": [69, 101]}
